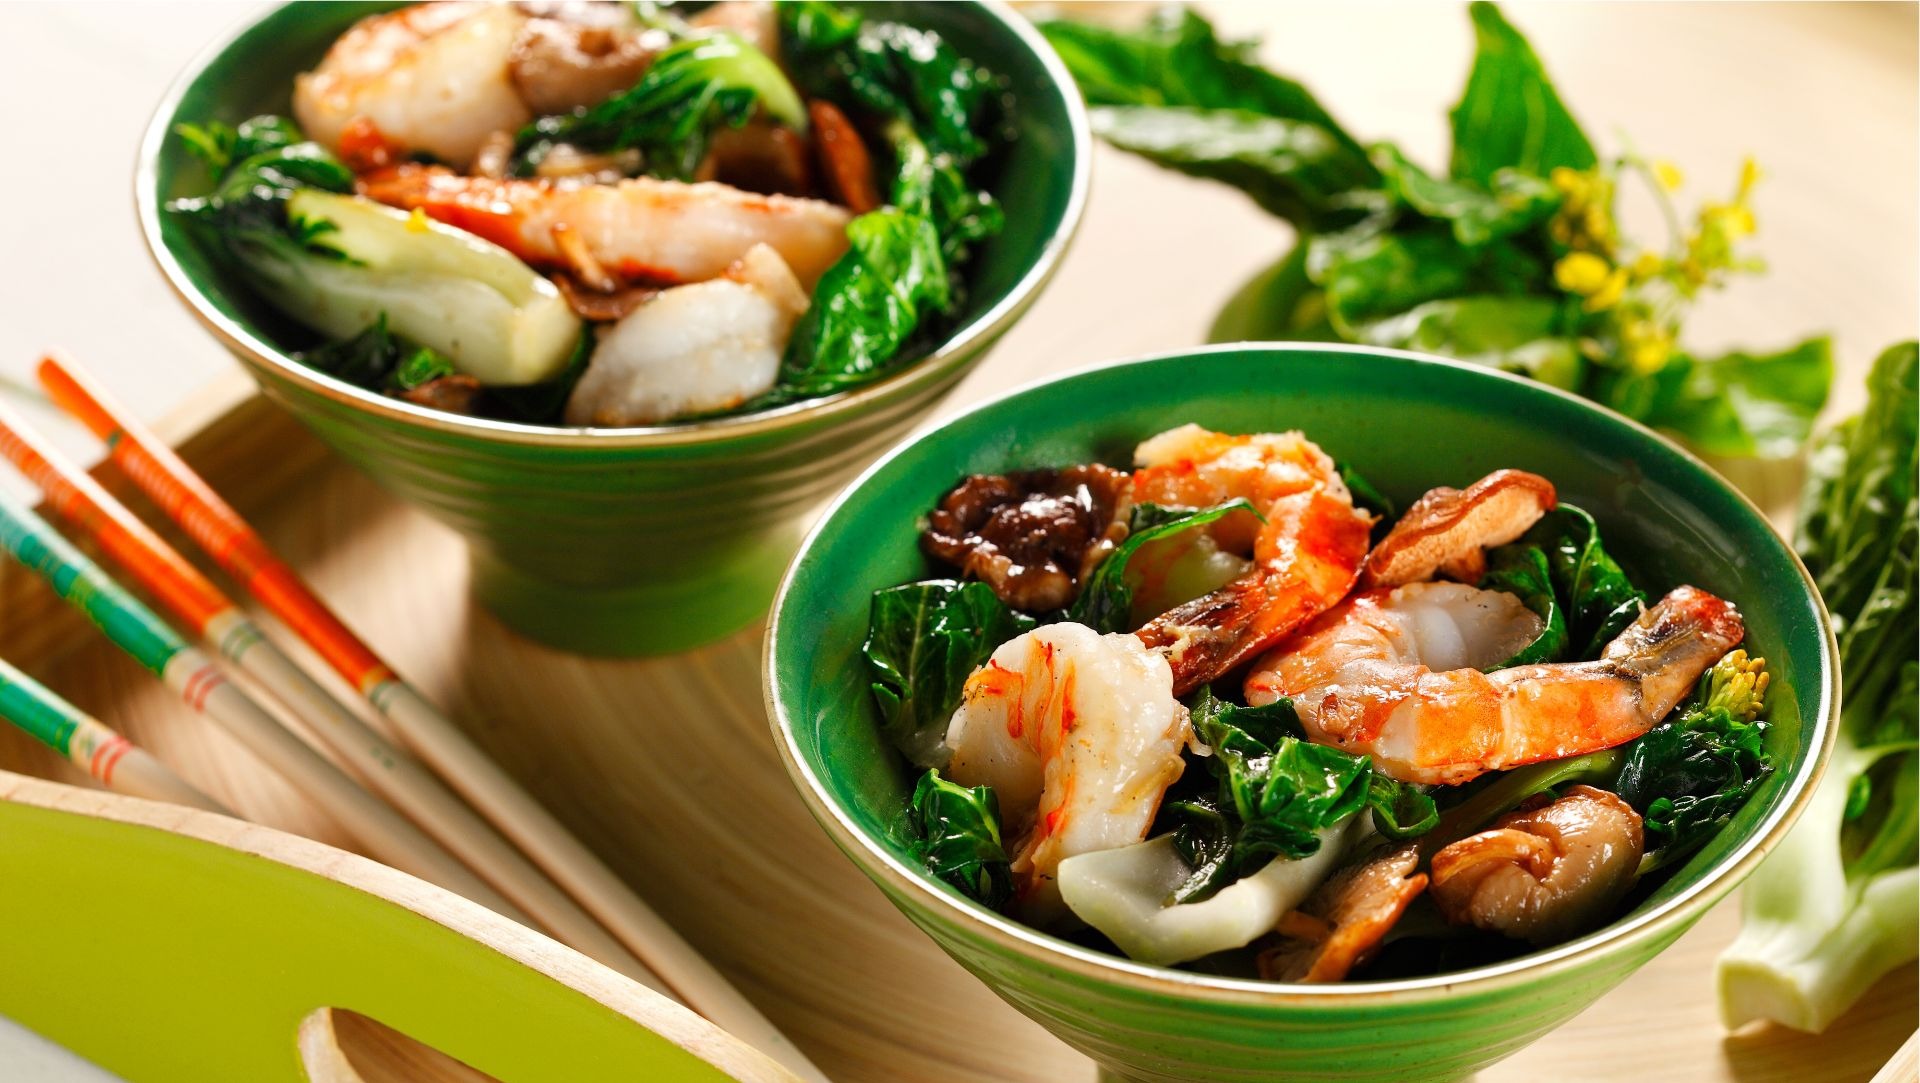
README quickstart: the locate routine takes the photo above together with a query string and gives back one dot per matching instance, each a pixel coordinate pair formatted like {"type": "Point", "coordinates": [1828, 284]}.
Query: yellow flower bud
{"type": "Point", "coordinates": [1669, 175]}
{"type": "Point", "coordinates": [1647, 265]}
{"type": "Point", "coordinates": [1580, 272]}
{"type": "Point", "coordinates": [417, 221]}
{"type": "Point", "coordinates": [1609, 293]}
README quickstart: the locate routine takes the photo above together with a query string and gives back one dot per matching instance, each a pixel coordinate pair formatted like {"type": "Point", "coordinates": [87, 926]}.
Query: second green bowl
{"type": "Point", "coordinates": [1406, 423]}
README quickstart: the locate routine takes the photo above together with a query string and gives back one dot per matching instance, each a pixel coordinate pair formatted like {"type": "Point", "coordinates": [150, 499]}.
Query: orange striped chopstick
{"type": "Point", "coordinates": [400, 779]}
{"type": "Point", "coordinates": [219, 530]}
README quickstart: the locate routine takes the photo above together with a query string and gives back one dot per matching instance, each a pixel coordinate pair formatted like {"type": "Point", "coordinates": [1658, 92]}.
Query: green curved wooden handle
{"type": "Point", "coordinates": [166, 957]}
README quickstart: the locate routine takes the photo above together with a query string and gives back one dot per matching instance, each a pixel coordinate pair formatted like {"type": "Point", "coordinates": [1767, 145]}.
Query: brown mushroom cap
{"type": "Point", "coordinates": [1449, 528]}
{"type": "Point", "coordinates": [1341, 924]}
{"type": "Point", "coordinates": [1546, 871]}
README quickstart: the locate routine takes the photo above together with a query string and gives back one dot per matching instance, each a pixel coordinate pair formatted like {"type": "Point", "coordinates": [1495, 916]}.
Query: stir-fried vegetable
{"type": "Point", "coordinates": [1513, 259]}
{"type": "Point", "coordinates": [1106, 599]}
{"type": "Point", "coordinates": [339, 263]}
{"type": "Point", "coordinates": [1277, 795]}
{"type": "Point", "coordinates": [695, 86]}
{"type": "Point", "coordinates": [930, 106]}
{"type": "Point", "coordinates": [955, 834]}
{"type": "Point", "coordinates": [1834, 907]}
{"type": "Point", "coordinates": [1689, 775]}
{"type": "Point", "coordinates": [923, 640]}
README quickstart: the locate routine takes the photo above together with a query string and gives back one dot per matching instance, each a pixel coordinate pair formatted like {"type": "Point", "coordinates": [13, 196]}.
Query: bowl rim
{"type": "Point", "coordinates": [963, 345]}
{"type": "Point", "coordinates": [1668, 919]}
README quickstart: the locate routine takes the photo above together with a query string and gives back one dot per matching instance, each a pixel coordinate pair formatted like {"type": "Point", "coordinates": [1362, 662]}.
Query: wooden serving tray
{"type": "Point", "coordinates": [666, 767]}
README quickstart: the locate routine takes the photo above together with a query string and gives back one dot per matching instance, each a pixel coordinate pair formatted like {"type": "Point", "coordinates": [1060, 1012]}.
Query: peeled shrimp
{"type": "Point", "coordinates": [1396, 674]}
{"type": "Point", "coordinates": [428, 77]}
{"type": "Point", "coordinates": [693, 349]}
{"type": "Point", "coordinates": [1305, 556]}
{"type": "Point", "coordinates": [1080, 736]}
{"type": "Point", "coordinates": [642, 228]}
{"type": "Point", "coordinates": [1545, 872]}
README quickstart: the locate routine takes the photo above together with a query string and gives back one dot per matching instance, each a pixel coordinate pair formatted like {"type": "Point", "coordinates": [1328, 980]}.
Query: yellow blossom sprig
{"type": "Point", "coordinates": [1639, 296]}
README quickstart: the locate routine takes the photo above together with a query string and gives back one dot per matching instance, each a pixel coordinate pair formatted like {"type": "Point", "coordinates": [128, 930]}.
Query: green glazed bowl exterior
{"type": "Point", "coordinates": [638, 540]}
{"type": "Point", "coordinates": [1407, 423]}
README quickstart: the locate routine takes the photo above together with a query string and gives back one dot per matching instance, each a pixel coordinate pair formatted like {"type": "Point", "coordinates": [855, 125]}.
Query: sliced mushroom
{"type": "Point", "coordinates": [578, 55]}
{"type": "Point", "coordinates": [844, 160]}
{"type": "Point", "coordinates": [456, 394]}
{"type": "Point", "coordinates": [1549, 870]}
{"type": "Point", "coordinates": [1342, 923]}
{"type": "Point", "coordinates": [1031, 535]}
{"type": "Point", "coordinates": [1449, 530]}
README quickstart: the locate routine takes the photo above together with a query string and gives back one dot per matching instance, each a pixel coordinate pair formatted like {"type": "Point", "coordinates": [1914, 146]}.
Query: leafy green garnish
{"type": "Point", "coordinates": [955, 832]}
{"type": "Point", "coordinates": [1513, 258]}
{"type": "Point", "coordinates": [923, 641]}
{"type": "Point", "coordinates": [696, 85]}
{"type": "Point", "coordinates": [1276, 794]}
{"type": "Point", "coordinates": [1510, 116]}
{"type": "Point", "coordinates": [1105, 602]}
{"type": "Point", "coordinates": [1832, 909]}
{"type": "Point", "coordinates": [1689, 775]}
{"type": "Point", "coordinates": [931, 107]}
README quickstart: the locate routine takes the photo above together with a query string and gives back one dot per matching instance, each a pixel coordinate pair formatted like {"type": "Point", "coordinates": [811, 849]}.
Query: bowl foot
{"type": "Point", "coordinates": [692, 601]}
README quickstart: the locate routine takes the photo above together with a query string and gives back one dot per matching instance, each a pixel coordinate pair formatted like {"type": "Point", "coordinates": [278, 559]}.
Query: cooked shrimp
{"type": "Point", "coordinates": [693, 349]}
{"type": "Point", "coordinates": [1368, 677]}
{"type": "Point", "coordinates": [1545, 872]}
{"type": "Point", "coordinates": [1305, 556]}
{"type": "Point", "coordinates": [428, 77]}
{"type": "Point", "coordinates": [1450, 530]}
{"type": "Point", "coordinates": [1080, 736]}
{"type": "Point", "coordinates": [641, 228]}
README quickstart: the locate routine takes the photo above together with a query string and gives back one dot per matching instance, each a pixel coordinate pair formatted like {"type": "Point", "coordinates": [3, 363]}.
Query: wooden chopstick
{"type": "Point", "coordinates": [228, 631]}
{"type": "Point", "coordinates": [243, 554]}
{"type": "Point", "coordinates": [117, 763]}
{"type": "Point", "coordinates": [141, 633]}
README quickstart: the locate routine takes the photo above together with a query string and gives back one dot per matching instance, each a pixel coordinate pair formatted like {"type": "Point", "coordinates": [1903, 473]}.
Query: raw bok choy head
{"type": "Point", "coordinates": [339, 263]}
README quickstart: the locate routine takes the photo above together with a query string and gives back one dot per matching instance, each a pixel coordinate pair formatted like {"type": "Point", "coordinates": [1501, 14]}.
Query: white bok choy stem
{"type": "Point", "coordinates": [1123, 893]}
{"type": "Point", "coordinates": [494, 317]}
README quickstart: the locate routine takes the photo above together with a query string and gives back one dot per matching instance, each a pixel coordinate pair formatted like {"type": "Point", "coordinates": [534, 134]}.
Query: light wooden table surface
{"type": "Point", "coordinates": [1823, 95]}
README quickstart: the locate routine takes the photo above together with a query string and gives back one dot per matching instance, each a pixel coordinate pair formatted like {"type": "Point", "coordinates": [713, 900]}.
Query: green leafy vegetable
{"type": "Point", "coordinates": [1177, 60]}
{"type": "Point", "coordinates": [710, 79]}
{"type": "Point", "coordinates": [1738, 405]}
{"type": "Point", "coordinates": [923, 641]}
{"type": "Point", "coordinates": [955, 834]}
{"type": "Point", "coordinates": [282, 210]}
{"type": "Point", "coordinates": [1291, 168]}
{"type": "Point", "coordinates": [932, 108]}
{"type": "Point", "coordinates": [1833, 908]}
{"type": "Point", "coordinates": [1509, 116]}
{"type": "Point", "coordinates": [1512, 259]}
{"type": "Point", "coordinates": [1564, 574]}
{"type": "Point", "coordinates": [1105, 602]}
{"type": "Point", "coordinates": [868, 304]}
{"type": "Point", "coordinates": [1276, 794]}
{"type": "Point", "coordinates": [1599, 599]}
{"type": "Point", "coordinates": [1522, 571]}
{"type": "Point", "coordinates": [1689, 775]}
{"type": "Point", "coordinates": [377, 358]}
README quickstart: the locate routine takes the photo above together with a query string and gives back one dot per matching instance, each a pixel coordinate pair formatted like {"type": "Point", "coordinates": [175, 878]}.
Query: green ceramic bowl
{"type": "Point", "coordinates": [1407, 423]}
{"type": "Point", "coordinates": [634, 540]}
